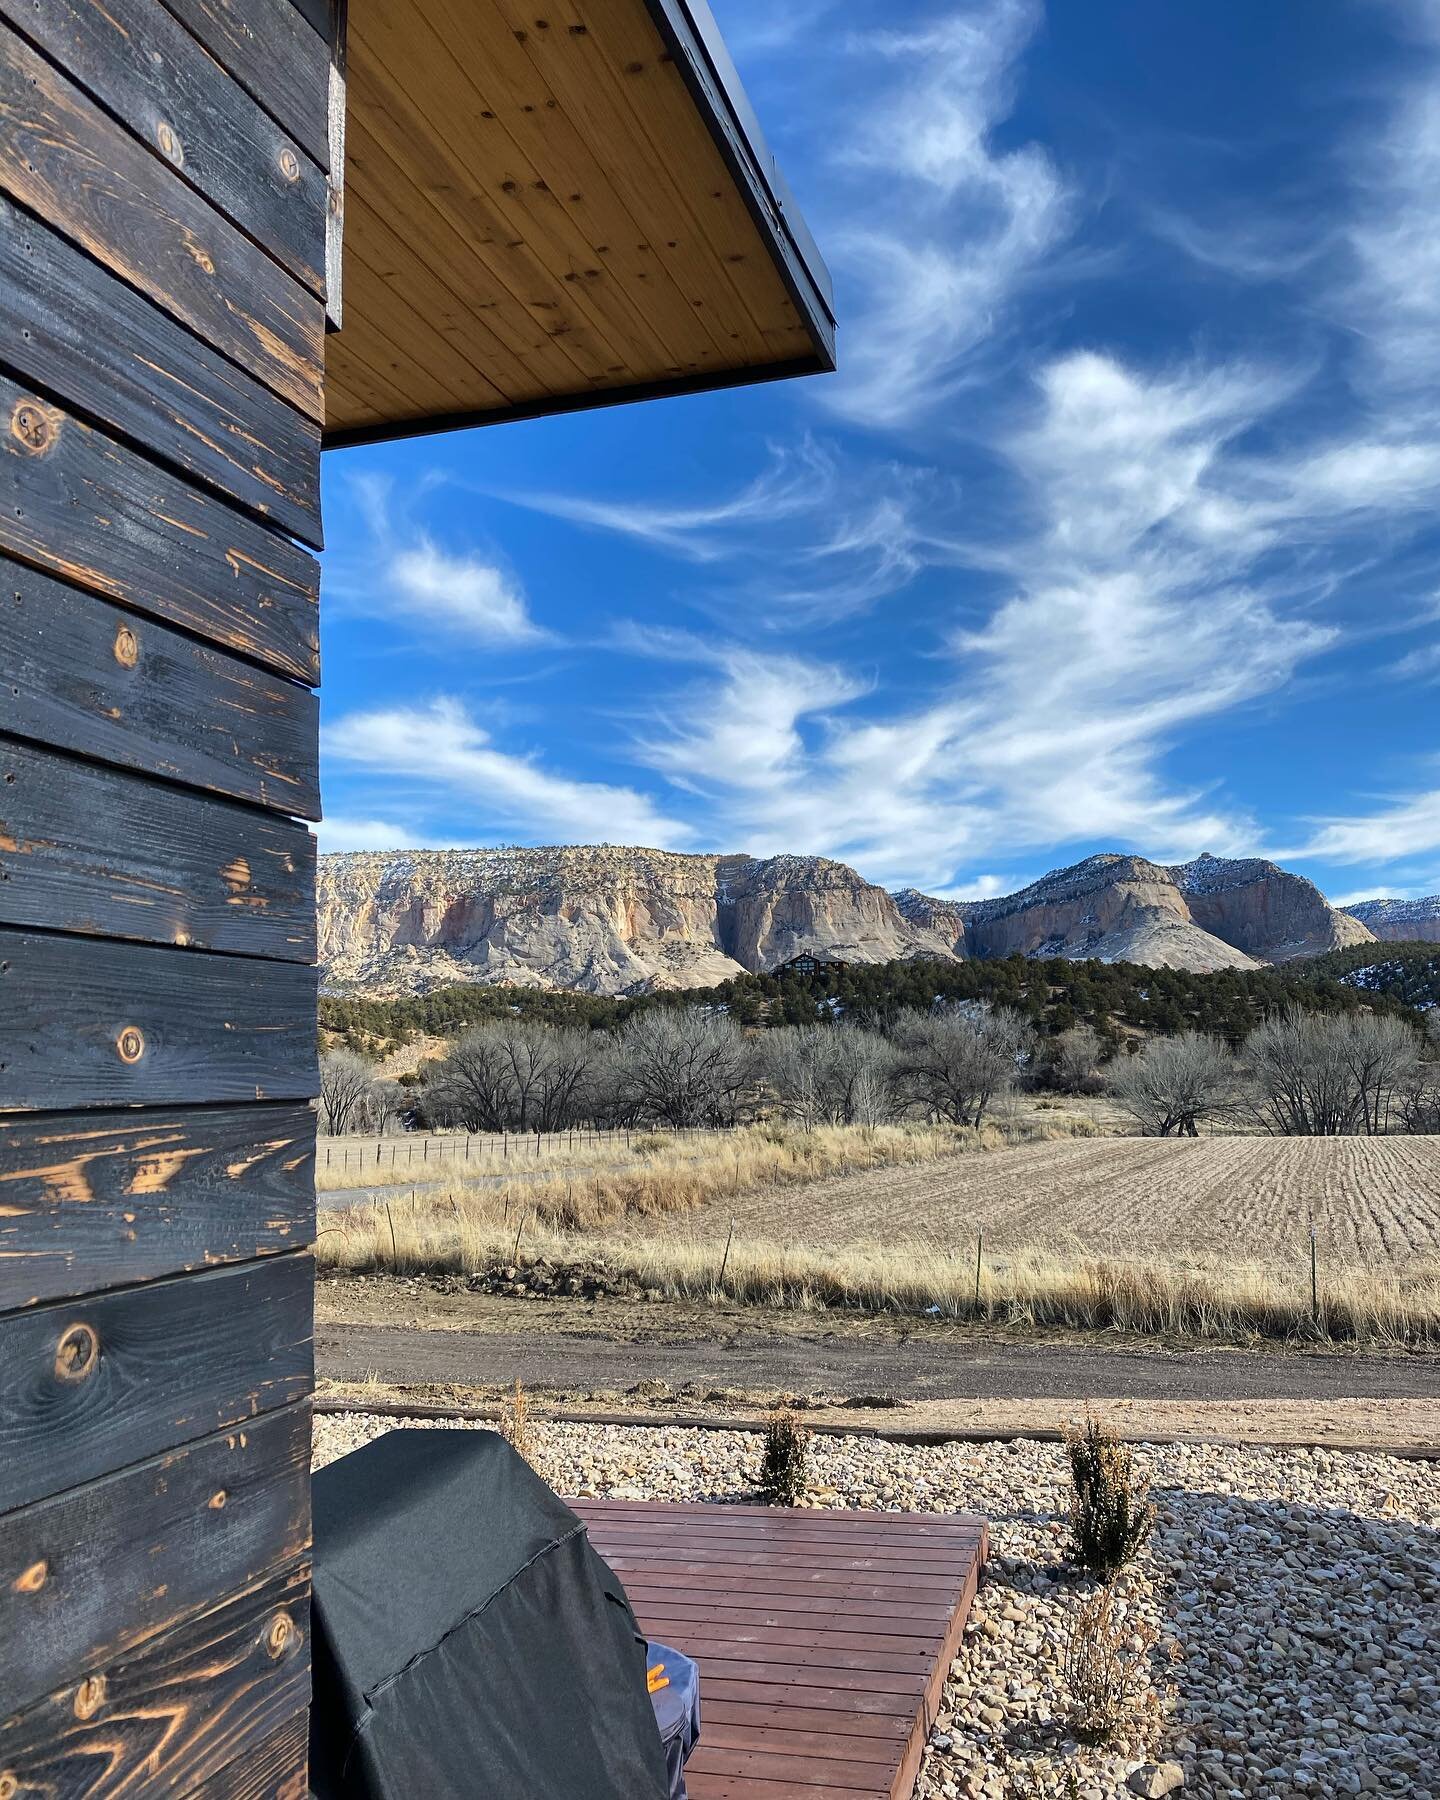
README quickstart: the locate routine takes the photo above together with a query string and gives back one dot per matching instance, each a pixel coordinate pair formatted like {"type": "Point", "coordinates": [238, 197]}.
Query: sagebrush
{"type": "Point", "coordinates": [785, 1464]}
{"type": "Point", "coordinates": [1110, 1511]}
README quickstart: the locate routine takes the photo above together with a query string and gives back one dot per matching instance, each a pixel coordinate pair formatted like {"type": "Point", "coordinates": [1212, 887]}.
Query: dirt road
{"type": "Point", "coordinates": [745, 1354]}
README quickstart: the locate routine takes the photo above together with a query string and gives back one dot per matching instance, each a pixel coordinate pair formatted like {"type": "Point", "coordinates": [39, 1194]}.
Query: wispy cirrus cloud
{"type": "Point", "coordinates": [812, 536]}
{"type": "Point", "coordinates": [454, 765]}
{"type": "Point", "coordinates": [942, 228]}
{"type": "Point", "coordinates": [401, 572]}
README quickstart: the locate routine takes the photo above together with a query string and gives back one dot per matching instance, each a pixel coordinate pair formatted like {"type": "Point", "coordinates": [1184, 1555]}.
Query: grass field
{"type": "Point", "coordinates": [1208, 1237]}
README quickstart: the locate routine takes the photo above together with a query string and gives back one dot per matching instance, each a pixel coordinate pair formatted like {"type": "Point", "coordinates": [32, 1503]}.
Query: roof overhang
{"type": "Point", "coordinates": [555, 206]}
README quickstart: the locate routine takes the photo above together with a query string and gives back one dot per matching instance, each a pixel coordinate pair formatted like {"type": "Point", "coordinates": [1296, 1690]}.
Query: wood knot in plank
{"type": "Point", "coordinates": [130, 1045]}
{"type": "Point", "coordinates": [281, 1635]}
{"type": "Point", "coordinates": [31, 1580]}
{"type": "Point", "coordinates": [9, 1784]}
{"type": "Point", "coordinates": [127, 647]}
{"type": "Point", "coordinates": [77, 1353]}
{"type": "Point", "coordinates": [169, 141]}
{"type": "Point", "coordinates": [89, 1696]}
{"type": "Point", "coordinates": [289, 164]}
{"type": "Point", "coordinates": [35, 426]}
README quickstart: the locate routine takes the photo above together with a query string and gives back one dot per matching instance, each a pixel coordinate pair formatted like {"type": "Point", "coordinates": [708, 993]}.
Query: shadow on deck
{"type": "Point", "coordinates": [823, 1638]}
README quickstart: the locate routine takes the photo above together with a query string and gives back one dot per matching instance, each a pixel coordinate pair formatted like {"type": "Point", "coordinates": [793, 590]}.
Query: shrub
{"type": "Point", "coordinates": [1110, 1511]}
{"type": "Point", "coordinates": [1107, 1671]}
{"type": "Point", "coordinates": [785, 1467]}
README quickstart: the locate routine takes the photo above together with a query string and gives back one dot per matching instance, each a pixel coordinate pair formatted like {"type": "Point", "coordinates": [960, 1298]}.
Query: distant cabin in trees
{"type": "Point", "coordinates": [810, 962]}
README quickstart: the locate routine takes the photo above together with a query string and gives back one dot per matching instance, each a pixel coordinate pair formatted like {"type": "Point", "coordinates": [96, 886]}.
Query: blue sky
{"type": "Point", "coordinates": [1116, 530]}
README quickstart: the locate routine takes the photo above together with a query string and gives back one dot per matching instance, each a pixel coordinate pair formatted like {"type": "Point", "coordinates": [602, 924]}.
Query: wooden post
{"type": "Point", "coordinates": [725, 1259]}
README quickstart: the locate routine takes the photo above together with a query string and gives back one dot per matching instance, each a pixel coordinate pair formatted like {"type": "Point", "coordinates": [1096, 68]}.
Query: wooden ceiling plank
{"type": "Point", "coordinates": [514, 194]}
{"type": "Point", "coordinates": [565, 56]}
{"type": "Point", "coordinates": [359, 380]}
{"type": "Point", "coordinates": [431, 237]}
{"type": "Point", "coordinates": [399, 323]}
{"type": "Point", "coordinates": [470, 216]}
{"type": "Point", "coordinates": [538, 124]}
{"type": "Point", "coordinates": [416, 287]}
{"type": "Point", "coordinates": [637, 69]}
{"type": "Point", "coordinates": [657, 91]}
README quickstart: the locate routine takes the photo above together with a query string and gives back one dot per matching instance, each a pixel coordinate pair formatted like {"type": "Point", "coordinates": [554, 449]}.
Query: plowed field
{"type": "Point", "coordinates": [1372, 1201]}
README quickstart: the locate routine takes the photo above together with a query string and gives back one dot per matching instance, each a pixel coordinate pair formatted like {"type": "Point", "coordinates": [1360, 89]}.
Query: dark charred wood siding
{"type": "Point", "coordinates": [164, 196]}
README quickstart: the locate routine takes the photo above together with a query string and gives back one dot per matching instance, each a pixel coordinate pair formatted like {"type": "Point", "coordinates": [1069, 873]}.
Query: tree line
{"type": "Point", "coordinates": [1053, 995]}
{"type": "Point", "coordinates": [1297, 1073]}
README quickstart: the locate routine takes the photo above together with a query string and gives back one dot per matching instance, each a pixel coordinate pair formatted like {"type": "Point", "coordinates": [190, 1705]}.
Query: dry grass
{"type": "Point", "coordinates": [655, 1174]}
{"type": "Point", "coordinates": [1224, 1300]}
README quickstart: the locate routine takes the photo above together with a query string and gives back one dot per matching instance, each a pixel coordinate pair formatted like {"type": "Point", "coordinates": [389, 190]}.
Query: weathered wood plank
{"type": "Point", "coordinates": [87, 1022]}
{"type": "Point", "coordinates": [88, 677]}
{"type": "Point", "coordinates": [276, 57]}
{"type": "Point", "coordinates": [79, 505]}
{"type": "Point", "coordinates": [89, 850]}
{"type": "Point", "coordinates": [94, 1384]}
{"type": "Point", "coordinates": [142, 65]}
{"type": "Point", "coordinates": [82, 172]}
{"type": "Point", "coordinates": [91, 1201]}
{"type": "Point", "coordinates": [277, 1769]}
{"type": "Point", "coordinates": [171, 1717]}
{"type": "Point", "coordinates": [87, 1576]}
{"type": "Point", "coordinates": [94, 343]}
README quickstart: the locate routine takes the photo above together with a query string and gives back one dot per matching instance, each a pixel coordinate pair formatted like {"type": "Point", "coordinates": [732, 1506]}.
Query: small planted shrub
{"type": "Point", "coordinates": [1107, 1670]}
{"type": "Point", "coordinates": [1110, 1511]}
{"type": "Point", "coordinates": [785, 1466]}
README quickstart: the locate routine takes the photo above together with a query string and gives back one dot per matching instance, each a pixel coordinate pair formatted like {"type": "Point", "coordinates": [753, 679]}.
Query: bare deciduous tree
{"type": "Point", "coordinates": [1172, 1085]}
{"type": "Point", "coordinates": [1075, 1060]}
{"type": "Point", "coordinates": [517, 1076]}
{"type": "Point", "coordinates": [683, 1066]}
{"type": "Point", "coordinates": [346, 1081]}
{"type": "Point", "coordinates": [951, 1065]}
{"type": "Point", "coordinates": [830, 1074]}
{"type": "Point", "coordinates": [1330, 1075]}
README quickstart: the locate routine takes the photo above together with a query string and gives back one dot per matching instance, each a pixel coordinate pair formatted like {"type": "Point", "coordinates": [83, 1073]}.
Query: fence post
{"type": "Point", "coordinates": [1314, 1281]}
{"type": "Point", "coordinates": [515, 1253]}
{"type": "Point", "coordinates": [724, 1260]}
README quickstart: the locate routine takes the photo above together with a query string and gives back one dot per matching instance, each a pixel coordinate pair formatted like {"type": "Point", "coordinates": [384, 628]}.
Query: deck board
{"type": "Point", "coordinates": [823, 1638]}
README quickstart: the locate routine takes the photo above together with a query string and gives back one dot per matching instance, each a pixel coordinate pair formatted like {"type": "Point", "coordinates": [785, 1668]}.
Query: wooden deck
{"type": "Point", "coordinates": [823, 1638]}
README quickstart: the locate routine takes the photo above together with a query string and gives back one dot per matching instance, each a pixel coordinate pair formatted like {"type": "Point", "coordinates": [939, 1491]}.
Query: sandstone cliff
{"type": "Point", "coordinates": [1400, 921]}
{"type": "Point", "coordinates": [608, 920]}
{"type": "Point", "coordinates": [600, 919]}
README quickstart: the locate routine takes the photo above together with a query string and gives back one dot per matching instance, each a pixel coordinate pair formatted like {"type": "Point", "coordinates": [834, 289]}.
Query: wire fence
{"type": "Point", "coordinates": [420, 1148]}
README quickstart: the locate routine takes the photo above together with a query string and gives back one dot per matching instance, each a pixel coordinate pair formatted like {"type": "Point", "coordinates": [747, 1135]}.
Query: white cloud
{"type": "Point", "coordinates": [472, 597]}
{"type": "Point", "coordinates": [810, 538]}
{"type": "Point", "coordinates": [400, 572]}
{"type": "Point", "coordinates": [343, 831]}
{"type": "Point", "coordinates": [949, 227]}
{"type": "Point", "coordinates": [452, 759]}
{"type": "Point", "coordinates": [1408, 827]}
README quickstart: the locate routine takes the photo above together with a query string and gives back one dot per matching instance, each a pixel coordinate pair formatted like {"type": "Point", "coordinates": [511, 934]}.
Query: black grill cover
{"type": "Point", "coordinates": [467, 1638]}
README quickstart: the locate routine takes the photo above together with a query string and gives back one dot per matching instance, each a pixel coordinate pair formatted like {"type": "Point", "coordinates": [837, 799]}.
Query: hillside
{"type": "Point", "coordinates": [613, 921]}
{"type": "Point", "coordinates": [1400, 921]}
{"type": "Point", "coordinates": [1119, 1000]}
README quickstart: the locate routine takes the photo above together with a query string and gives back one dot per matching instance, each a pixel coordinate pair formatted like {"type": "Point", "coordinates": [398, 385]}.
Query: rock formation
{"type": "Point", "coordinates": [608, 920]}
{"type": "Point", "coordinates": [1400, 921]}
{"type": "Point", "coordinates": [600, 919]}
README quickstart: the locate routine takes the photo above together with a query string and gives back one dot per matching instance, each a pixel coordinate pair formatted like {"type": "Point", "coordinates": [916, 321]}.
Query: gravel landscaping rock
{"type": "Point", "coordinates": [1297, 1594]}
